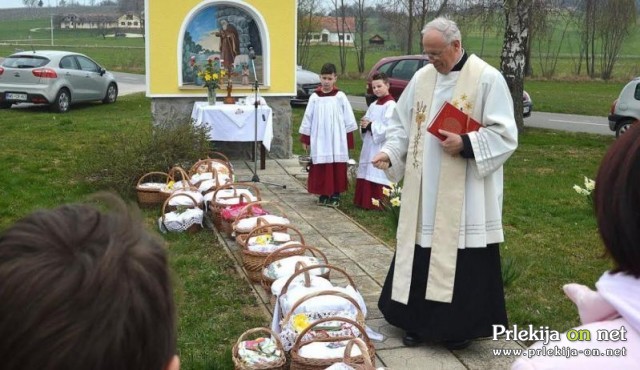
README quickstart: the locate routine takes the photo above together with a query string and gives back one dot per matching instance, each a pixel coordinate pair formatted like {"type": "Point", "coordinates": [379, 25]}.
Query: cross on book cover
{"type": "Point", "coordinates": [452, 119]}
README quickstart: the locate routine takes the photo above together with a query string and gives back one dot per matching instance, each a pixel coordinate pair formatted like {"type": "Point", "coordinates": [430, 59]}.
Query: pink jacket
{"type": "Point", "coordinates": [613, 309]}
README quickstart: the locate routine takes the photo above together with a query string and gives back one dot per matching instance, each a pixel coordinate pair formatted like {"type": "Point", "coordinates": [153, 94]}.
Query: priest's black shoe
{"type": "Point", "coordinates": [456, 344]}
{"type": "Point", "coordinates": [411, 339]}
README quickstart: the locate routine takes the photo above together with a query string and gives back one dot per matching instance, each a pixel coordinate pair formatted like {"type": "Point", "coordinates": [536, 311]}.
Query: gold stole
{"type": "Point", "coordinates": [450, 198]}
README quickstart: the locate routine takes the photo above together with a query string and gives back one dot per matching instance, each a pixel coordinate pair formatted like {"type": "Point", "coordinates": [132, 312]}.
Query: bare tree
{"type": "Point", "coordinates": [340, 17]}
{"type": "Point", "coordinates": [512, 59]}
{"type": "Point", "coordinates": [613, 27]}
{"type": "Point", "coordinates": [30, 3]}
{"type": "Point", "coordinates": [308, 23]}
{"type": "Point", "coordinates": [361, 16]}
{"type": "Point", "coordinates": [545, 15]}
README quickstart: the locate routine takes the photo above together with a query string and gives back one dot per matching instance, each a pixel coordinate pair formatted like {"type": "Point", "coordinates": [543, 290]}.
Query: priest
{"type": "Point", "coordinates": [444, 284]}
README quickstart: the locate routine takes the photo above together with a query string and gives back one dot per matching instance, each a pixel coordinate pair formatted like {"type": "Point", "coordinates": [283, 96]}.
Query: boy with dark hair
{"type": "Point", "coordinates": [85, 289]}
{"type": "Point", "coordinates": [327, 130]}
{"type": "Point", "coordinates": [373, 125]}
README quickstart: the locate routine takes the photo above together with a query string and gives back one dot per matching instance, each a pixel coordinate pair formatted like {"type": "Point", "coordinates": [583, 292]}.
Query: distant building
{"type": "Point", "coordinates": [332, 30]}
{"type": "Point", "coordinates": [101, 21]}
{"type": "Point", "coordinates": [376, 40]}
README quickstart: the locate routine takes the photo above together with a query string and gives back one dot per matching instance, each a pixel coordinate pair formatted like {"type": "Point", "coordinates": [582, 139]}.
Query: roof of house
{"type": "Point", "coordinates": [335, 25]}
{"type": "Point", "coordinates": [376, 37]}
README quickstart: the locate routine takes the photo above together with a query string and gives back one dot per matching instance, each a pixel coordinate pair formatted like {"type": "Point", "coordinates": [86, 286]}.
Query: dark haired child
{"type": "Point", "coordinates": [327, 132]}
{"type": "Point", "coordinates": [370, 180]}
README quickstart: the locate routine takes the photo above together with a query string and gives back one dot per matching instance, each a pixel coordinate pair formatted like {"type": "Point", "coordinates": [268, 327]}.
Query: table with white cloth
{"type": "Point", "coordinates": [236, 122]}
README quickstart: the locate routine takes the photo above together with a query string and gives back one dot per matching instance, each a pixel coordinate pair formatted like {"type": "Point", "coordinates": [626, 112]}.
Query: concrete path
{"type": "Point", "coordinates": [366, 258]}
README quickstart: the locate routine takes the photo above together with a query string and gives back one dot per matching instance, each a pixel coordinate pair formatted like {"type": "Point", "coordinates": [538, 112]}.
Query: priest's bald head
{"type": "Point", "coordinates": [441, 42]}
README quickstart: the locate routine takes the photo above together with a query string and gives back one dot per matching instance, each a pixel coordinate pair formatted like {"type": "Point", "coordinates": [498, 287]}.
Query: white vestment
{"type": "Point", "coordinates": [327, 120]}
{"type": "Point", "coordinates": [481, 222]}
{"type": "Point", "coordinates": [372, 141]}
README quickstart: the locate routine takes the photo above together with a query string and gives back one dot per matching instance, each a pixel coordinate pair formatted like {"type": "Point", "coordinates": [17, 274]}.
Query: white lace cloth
{"type": "Point", "coordinates": [326, 350]}
{"type": "Point", "coordinates": [179, 222]}
{"type": "Point", "coordinates": [151, 185]}
{"type": "Point", "coordinates": [245, 225]}
{"type": "Point", "coordinates": [186, 201]}
{"type": "Point", "coordinates": [229, 197]}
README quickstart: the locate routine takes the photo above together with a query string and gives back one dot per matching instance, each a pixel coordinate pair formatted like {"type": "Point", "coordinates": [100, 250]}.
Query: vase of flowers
{"type": "Point", "coordinates": [212, 74]}
{"type": "Point", "coordinates": [211, 95]}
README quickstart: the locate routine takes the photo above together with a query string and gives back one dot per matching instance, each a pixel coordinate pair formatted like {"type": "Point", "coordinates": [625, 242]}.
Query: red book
{"type": "Point", "coordinates": [452, 119]}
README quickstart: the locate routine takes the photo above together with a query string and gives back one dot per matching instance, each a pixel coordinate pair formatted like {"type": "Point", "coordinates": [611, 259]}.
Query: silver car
{"type": "Point", "coordinates": [55, 78]}
{"type": "Point", "coordinates": [625, 111]}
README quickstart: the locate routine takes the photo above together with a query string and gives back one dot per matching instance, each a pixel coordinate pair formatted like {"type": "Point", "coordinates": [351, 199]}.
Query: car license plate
{"type": "Point", "coordinates": [526, 110]}
{"type": "Point", "coordinates": [15, 96]}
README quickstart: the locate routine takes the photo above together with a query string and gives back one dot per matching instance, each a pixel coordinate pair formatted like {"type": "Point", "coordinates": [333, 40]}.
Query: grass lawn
{"type": "Point", "coordinates": [42, 153]}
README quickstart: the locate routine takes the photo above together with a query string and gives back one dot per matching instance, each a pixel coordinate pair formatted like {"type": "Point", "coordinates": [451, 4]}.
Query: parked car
{"type": "Point", "coordinates": [306, 83]}
{"type": "Point", "coordinates": [400, 69]}
{"type": "Point", "coordinates": [54, 78]}
{"type": "Point", "coordinates": [625, 110]}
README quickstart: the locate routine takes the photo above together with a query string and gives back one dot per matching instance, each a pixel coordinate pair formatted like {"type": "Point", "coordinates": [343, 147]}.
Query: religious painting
{"type": "Point", "coordinates": [227, 36]}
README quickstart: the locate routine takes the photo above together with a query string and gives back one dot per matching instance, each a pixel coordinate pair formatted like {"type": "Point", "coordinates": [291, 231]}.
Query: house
{"type": "Point", "coordinates": [332, 30]}
{"type": "Point", "coordinates": [376, 40]}
{"type": "Point", "coordinates": [101, 21]}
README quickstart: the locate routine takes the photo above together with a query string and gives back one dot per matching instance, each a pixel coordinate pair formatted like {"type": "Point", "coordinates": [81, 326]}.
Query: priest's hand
{"type": "Point", "coordinates": [381, 161]}
{"type": "Point", "coordinates": [452, 145]}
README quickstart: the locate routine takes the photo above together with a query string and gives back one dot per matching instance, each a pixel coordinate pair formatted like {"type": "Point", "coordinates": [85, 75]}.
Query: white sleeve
{"type": "Point", "coordinates": [305, 126]}
{"type": "Point", "coordinates": [350, 123]}
{"type": "Point", "coordinates": [397, 143]}
{"type": "Point", "coordinates": [379, 128]}
{"type": "Point", "coordinates": [498, 139]}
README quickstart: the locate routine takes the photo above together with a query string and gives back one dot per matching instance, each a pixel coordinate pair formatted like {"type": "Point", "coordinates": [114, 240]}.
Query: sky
{"type": "Point", "coordinates": [20, 4]}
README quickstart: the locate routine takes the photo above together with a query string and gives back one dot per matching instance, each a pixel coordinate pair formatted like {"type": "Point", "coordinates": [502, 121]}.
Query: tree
{"type": "Point", "coordinates": [30, 3]}
{"type": "Point", "coordinates": [512, 59]}
{"type": "Point", "coordinates": [361, 16]}
{"type": "Point", "coordinates": [613, 27]}
{"type": "Point", "coordinates": [340, 15]}
{"type": "Point", "coordinates": [308, 22]}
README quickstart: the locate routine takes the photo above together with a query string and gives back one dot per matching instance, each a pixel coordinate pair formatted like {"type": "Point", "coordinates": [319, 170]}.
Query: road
{"type": "Point", "coordinates": [554, 121]}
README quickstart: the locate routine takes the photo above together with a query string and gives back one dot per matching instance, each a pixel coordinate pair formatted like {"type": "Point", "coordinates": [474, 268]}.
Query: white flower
{"type": "Point", "coordinates": [386, 191]}
{"type": "Point", "coordinates": [375, 202]}
{"type": "Point", "coordinates": [589, 184]}
{"type": "Point", "coordinates": [577, 189]}
{"type": "Point", "coordinates": [395, 202]}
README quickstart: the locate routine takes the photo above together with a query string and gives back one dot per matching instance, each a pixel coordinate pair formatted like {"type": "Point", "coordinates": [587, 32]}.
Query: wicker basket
{"type": "Point", "coordinates": [302, 363]}
{"type": "Point", "coordinates": [359, 313]}
{"type": "Point", "coordinates": [284, 252]}
{"type": "Point", "coordinates": [254, 261]}
{"type": "Point", "coordinates": [218, 203]}
{"type": "Point", "coordinates": [193, 228]}
{"type": "Point", "coordinates": [151, 196]}
{"type": "Point", "coordinates": [176, 174]}
{"type": "Point", "coordinates": [221, 164]}
{"type": "Point", "coordinates": [239, 365]}
{"type": "Point", "coordinates": [347, 359]}
{"type": "Point", "coordinates": [305, 271]}
{"type": "Point", "coordinates": [247, 212]}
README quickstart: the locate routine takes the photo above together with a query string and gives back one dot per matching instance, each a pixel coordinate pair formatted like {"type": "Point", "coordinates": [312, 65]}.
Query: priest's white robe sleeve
{"type": "Point", "coordinates": [397, 143]}
{"type": "Point", "coordinates": [494, 144]}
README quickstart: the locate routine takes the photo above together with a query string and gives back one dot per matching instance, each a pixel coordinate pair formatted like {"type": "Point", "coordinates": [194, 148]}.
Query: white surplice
{"type": "Point", "coordinates": [372, 141]}
{"type": "Point", "coordinates": [493, 144]}
{"type": "Point", "coordinates": [327, 120]}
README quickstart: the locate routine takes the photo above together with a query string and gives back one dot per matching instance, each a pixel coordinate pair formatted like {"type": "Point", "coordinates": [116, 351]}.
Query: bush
{"type": "Point", "coordinates": [119, 163]}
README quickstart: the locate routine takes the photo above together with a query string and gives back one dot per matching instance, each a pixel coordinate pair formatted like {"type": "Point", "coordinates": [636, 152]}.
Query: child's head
{"type": "Point", "coordinates": [380, 84]}
{"type": "Point", "coordinates": [617, 200]}
{"type": "Point", "coordinates": [85, 289]}
{"type": "Point", "coordinates": [328, 76]}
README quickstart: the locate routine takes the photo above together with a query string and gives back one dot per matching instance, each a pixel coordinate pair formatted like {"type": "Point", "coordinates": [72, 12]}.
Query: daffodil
{"type": "Point", "coordinates": [395, 202]}
{"type": "Point", "coordinates": [386, 191]}
{"type": "Point", "coordinates": [375, 202]}
{"type": "Point", "coordinates": [300, 322]}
